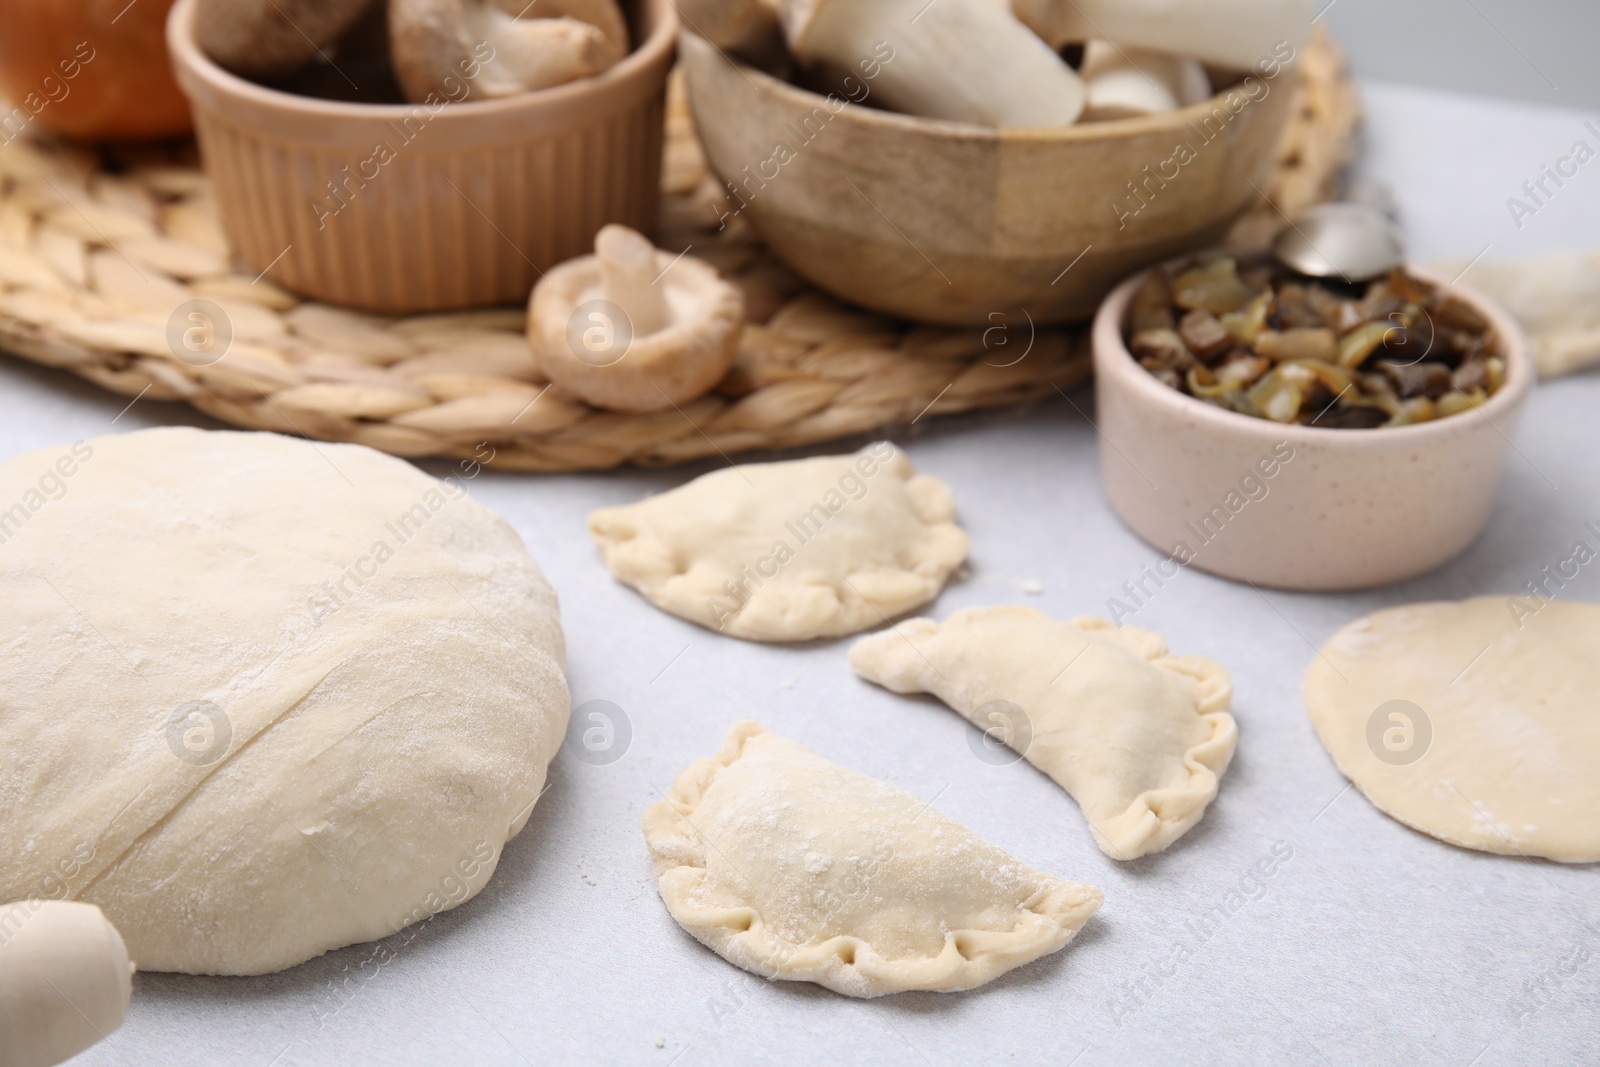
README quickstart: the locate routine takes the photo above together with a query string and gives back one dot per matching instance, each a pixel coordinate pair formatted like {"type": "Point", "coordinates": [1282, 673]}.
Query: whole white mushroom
{"type": "Point", "coordinates": [959, 60]}
{"type": "Point", "coordinates": [633, 328]}
{"type": "Point", "coordinates": [1228, 33]}
{"type": "Point", "coordinates": [438, 44]}
{"type": "Point", "coordinates": [1125, 81]}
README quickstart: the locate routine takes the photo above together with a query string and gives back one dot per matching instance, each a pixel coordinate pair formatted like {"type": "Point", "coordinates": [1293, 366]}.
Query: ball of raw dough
{"type": "Point", "coordinates": [261, 698]}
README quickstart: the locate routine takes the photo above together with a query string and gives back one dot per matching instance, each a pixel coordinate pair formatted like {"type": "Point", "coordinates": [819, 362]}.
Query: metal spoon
{"type": "Point", "coordinates": [1340, 240]}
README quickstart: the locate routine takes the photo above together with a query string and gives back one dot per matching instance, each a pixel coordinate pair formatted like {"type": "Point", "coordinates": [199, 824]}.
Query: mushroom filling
{"type": "Point", "coordinates": [1256, 338]}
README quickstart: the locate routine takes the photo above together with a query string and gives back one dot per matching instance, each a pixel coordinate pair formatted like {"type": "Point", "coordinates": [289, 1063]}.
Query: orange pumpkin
{"type": "Point", "coordinates": [93, 69]}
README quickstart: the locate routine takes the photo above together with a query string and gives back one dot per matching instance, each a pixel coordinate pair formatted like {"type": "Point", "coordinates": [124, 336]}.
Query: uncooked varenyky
{"type": "Point", "coordinates": [797, 868]}
{"type": "Point", "coordinates": [790, 551]}
{"type": "Point", "coordinates": [1138, 736]}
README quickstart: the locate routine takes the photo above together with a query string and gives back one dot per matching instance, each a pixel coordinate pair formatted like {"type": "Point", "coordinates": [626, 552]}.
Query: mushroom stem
{"type": "Point", "coordinates": [534, 53]}
{"type": "Point", "coordinates": [628, 275]}
{"type": "Point", "coordinates": [960, 60]}
{"type": "Point", "coordinates": [1123, 82]}
{"type": "Point", "coordinates": [747, 28]}
{"type": "Point", "coordinates": [441, 47]}
{"type": "Point", "coordinates": [604, 15]}
{"type": "Point", "coordinates": [65, 980]}
{"type": "Point", "coordinates": [1230, 33]}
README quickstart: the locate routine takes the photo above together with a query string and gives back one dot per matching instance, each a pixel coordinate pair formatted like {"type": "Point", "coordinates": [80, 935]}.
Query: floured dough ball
{"type": "Point", "coordinates": [261, 698]}
{"type": "Point", "coordinates": [801, 870]}
{"type": "Point", "coordinates": [790, 551]}
{"type": "Point", "coordinates": [1472, 721]}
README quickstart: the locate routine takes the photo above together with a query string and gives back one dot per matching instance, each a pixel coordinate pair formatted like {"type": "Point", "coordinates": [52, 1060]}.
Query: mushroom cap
{"type": "Point", "coordinates": [269, 39]}
{"type": "Point", "coordinates": [970, 61]}
{"type": "Point", "coordinates": [1127, 93]}
{"type": "Point", "coordinates": [439, 45]}
{"type": "Point", "coordinates": [605, 15]}
{"type": "Point", "coordinates": [796, 17]}
{"type": "Point", "coordinates": [1183, 77]}
{"type": "Point", "coordinates": [656, 371]}
{"type": "Point", "coordinates": [1124, 81]}
{"type": "Point", "coordinates": [748, 28]}
{"type": "Point", "coordinates": [1056, 23]}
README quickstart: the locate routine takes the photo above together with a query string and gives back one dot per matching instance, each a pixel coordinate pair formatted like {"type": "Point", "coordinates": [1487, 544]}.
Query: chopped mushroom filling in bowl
{"type": "Point", "coordinates": [1250, 336]}
{"type": "Point", "coordinates": [1265, 476]}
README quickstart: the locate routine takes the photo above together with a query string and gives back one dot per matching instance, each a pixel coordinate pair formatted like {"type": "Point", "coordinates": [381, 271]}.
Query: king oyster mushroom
{"type": "Point", "coordinates": [271, 39]}
{"type": "Point", "coordinates": [604, 15]}
{"type": "Point", "coordinates": [633, 328]}
{"type": "Point", "coordinates": [1126, 81]}
{"type": "Point", "coordinates": [439, 45]}
{"type": "Point", "coordinates": [1237, 34]}
{"type": "Point", "coordinates": [960, 60]}
{"type": "Point", "coordinates": [747, 28]}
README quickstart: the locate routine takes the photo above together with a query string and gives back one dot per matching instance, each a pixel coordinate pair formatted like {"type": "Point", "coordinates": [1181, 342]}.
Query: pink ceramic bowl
{"type": "Point", "coordinates": [409, 208]}
{"type": "Point", "coordinates": [1299, 507]}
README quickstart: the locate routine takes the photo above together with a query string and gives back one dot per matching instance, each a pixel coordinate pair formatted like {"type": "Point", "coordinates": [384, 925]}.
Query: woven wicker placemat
{"type": "Point", "coordinates": [97, 250]}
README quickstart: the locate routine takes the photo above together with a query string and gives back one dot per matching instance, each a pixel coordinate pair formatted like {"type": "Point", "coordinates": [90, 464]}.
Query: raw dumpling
{"type": "Point", "coordinates": [1137, 736]}
{"type": "Point", "coordinates": [790, 551]}
{"type": "Point", "coordinates": [796, 868]}
{"type": "Point", "coordinates": [1555, 298]}
{"type": "Point", "coordinates": [1475, 721]}
{"type": "Point", "coordinates": [262, 698]}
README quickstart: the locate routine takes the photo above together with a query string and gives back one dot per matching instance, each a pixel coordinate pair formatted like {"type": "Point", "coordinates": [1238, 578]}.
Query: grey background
{"type": "Point", "coordinates": [1537, 50]}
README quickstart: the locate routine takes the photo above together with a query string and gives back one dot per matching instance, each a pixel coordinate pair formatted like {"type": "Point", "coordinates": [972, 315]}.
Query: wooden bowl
{"type": "Point", "coordinates": [947, 223]}
{"type": "Point", "coordinates": [406, 208]}
{"type": "Point", "coordinates": [1298, 507]}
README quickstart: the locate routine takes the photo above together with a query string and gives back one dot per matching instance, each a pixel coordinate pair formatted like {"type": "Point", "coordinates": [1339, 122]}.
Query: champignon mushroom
{"type": "Point", "coordinates": [604, 15]}
{"type": "Point", "coordinates": [439, 46]}
{"type": "Point", "coordinates": [1123, 82]}
{"type": "Point", "coordinates": [1237, 34]}
{"type": "Point", "coordinates": [961, 60]}
{"type": "Point", "coordinates": [271, 39]}
{"type": "Point", "coordinates": [632, 328]}
{"type": "Point", "coordinates": [65, 980]}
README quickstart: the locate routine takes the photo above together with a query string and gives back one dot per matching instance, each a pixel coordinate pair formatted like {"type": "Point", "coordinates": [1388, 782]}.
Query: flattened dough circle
{"type": "Point", "coordinates": [1499, 701]}
{"type": "Point", "coordinates": [261, 698]}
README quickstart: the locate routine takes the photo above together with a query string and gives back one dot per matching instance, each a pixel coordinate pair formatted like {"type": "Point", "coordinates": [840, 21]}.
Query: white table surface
{"type": "Point", "coordinates": [1372, 944]}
